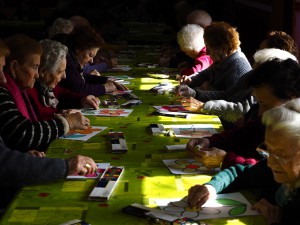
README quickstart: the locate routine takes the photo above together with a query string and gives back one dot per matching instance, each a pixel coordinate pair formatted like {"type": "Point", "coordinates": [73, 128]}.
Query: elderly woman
{"type": "Point", "coordinates": [20, 127]}
{"type": "Point", "coordinates": [274, 83]}
{"type": "Point", "coordinates": [229, 64]}
{"type": "Point", "coordinates": [47, 97]}
{"type": "Point", "coordinates": [13, 177]}
{"type": "Point", "coordinates": [281, 181]}
{"type": "Point", "coordinates": [84, 43]}
{"type": "Point", "coordinates": [191, 42]}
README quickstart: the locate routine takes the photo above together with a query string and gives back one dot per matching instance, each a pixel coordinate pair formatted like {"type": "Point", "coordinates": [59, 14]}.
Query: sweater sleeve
{"type": "Point", "coordinates": [20, 169]}
{"type": "Point", "coordinates": [239, 177]}
{"type": "Point", "coordinates": [67, 99]}
{"type": "Point", "coordinates": [18, 132]}
{"type": "Point", "coordinates": [205, 96]}
{"type": "Point", "coordinates": [100, 67]}
{"type": "Point", "coordinates": [77, 83]}
{"type": "Point", "coordinates": [229, 111]}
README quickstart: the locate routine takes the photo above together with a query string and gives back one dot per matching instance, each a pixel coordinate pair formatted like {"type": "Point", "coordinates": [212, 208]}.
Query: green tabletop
{"type": "Point", "coordinates": [145, 176]}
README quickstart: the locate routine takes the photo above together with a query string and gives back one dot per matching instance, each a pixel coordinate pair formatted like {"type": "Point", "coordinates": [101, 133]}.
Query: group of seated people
{"type": "Point", "coordinates": [42, 82]}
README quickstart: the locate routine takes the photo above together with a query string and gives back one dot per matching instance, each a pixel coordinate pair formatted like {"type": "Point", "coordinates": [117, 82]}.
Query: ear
{"type": "Point", "coordinates": [13, 66]}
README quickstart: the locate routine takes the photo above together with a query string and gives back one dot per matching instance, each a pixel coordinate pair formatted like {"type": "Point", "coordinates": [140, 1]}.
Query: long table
{"type": "Point", "coordinates": [145, 177]}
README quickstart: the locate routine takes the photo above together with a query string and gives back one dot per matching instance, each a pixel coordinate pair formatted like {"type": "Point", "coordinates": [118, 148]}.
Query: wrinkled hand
{"type": "Point", "coordinates": [271, 213]}
{"type": "Point", "coordinates": [191, 104]}
{"type": "Point", "coordinates": [185, 79]}
{"type": "Point", "coordinates": [90, 101]}
{"type": "Point", "coordinates": [120, 87]}
{"type": "Point", "coordinates": [199, 194]}
{"type": "Point", "coordinates": [81, 165]}
{"type": "Point", "coordinates": [36, 153]}
{"type": "Point", "coordinates": [78, 121]}
{"type": "Point", "coordinates": [110, 87]}
{"type": "Point", "coordinates": [185, 91]}
{"type": "Point", "coordinates": [95, 72]}
{"type": "Point", "coordinates": [201, 142]}
{"type": "Point", "coordinates": [210, 157]}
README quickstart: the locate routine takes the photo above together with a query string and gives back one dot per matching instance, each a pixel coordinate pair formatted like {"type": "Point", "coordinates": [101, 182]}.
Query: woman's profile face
{"type": "Point", "coordinates": [284, 159]}
{"type": "Point", "coordinates": [86, 56]}
{"type": "Point", "coordinates": [52, 79]}
{"type": "Point", "coordinates": [27, 73]}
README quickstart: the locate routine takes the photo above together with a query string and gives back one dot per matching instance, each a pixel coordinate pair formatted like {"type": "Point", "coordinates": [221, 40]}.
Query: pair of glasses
{"type": "Point", "coordinates": [262, 150]}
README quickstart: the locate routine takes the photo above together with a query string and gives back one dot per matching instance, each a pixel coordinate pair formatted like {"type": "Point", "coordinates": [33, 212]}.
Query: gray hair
{"type": "Point", "coordinates": [53, 53]}
{"type": "Point", "coordinates": [61, 26]}
{"type": "Point", "coordinates": [268, 54]}
{"type": "Point", "coordinates": [190, 37]}
{"type": "Point", "coordinates": [285, 118]}
{"type": "Point", "coordinates": [199, 17]}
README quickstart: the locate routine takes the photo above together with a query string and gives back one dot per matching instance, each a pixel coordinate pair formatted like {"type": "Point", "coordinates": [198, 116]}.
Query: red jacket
{"type": "Point", "coordinates": [67, 100]}
{"type": "Point", "coordinates": [201, 63]}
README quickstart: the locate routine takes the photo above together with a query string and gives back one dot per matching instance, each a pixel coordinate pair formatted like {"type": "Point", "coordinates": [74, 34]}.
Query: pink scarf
{"type": "Point", "coordinates": [20, 98]}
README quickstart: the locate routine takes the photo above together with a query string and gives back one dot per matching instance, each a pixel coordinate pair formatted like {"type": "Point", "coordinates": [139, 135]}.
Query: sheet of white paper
{"type": "Point", "coordinates": [226, 205]}
{"type": "Point", "coordinates": [83, 135]}
{"type": "Point", "coordinates": [187, 166]}
{"type": "Point", "coordinates": [111, 112]}
{"type": "Point", "coordinates": [101, 169]}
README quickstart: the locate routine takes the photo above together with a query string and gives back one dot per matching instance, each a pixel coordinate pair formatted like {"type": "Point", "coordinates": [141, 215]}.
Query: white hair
{"type": "Point", "coordinates": [53, 53]}
{"type": "Point", "coordinates": [285, 118]}
{"type": "Point", "coordinates": [267, 54]}
{"type": "Point", "coordinates": [190, 37]}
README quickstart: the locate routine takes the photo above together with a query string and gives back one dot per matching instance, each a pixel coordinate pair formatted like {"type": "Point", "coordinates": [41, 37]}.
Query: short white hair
{"type": "Point", "coordinates": [267, 54]}
{"type": "Point", "coordinates": [190, 37]}
{"type": "Point", "coordinates": [285, 118]}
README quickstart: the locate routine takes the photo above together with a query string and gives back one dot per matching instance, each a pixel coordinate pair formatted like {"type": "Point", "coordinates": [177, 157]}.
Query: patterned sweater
{"type": "Point", "coordinates": [18, 132]}
{"type": "Point", "coordinates": [220, 76]}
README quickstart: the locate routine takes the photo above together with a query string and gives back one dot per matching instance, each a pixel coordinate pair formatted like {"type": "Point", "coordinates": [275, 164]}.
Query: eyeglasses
{"type": "Point", "coordinates": [262, 150]}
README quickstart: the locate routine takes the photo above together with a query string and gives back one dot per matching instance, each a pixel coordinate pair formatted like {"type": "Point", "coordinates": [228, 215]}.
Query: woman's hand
{"type": "Point", "coordinates": [200, 142]}
{"type": "Point", "coordinates": [210, 157]}
{"type": "Point", "coordinates": [271, 213]}
{"type": "Point", "coordinates": [120, 87]}
{"type": "Point", "coordinates": [78, 121]}
{"type": "Point", "coordinates": [191, 104]}
{"type": "Point", "coordinates": [110, 87]}
{"type": "Point", "coordinates": [81, 165]}
{"type": "Point", "coordinates": [90, 101]}
{"type": "Point", "coordinates": [36, 153]}
{"type": "Point", "coordinates": [185, 91]}
{"type": "Point", "coordinates": [199, 194]}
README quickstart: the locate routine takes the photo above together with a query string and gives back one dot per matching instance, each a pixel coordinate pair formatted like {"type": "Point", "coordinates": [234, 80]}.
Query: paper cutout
{"type": "Point", "coordinates": [226, 205]}
{"type": "Point", "coordinates": [106, 112]}
{"type": "Point", "coordinates": [101, 169]}
{"type": "Point", "coordinates": [121, 77]}
{"type": "Point", "coordinates": [171, 108]}
{"type": "Point", "coordinates": [83, 135]}
{"type": "Point", "coordinates": [187, 166]}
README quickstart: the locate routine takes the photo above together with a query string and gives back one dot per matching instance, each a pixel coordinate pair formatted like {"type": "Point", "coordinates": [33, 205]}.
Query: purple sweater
{"type": "Point", "coordinates": [77, 82]}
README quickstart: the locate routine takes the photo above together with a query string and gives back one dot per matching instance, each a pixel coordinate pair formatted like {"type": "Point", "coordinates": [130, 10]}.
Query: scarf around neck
{"type": "Point", "coordinates": [47, 96]}
{"type": "Point", "coordinates": [20, 97]}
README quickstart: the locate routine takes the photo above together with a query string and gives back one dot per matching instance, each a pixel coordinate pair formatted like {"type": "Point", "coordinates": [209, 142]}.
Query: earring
{"type": "Point", "coordinates": [42, 75]}
{"type": "Point", "coordinates": [13, 76]}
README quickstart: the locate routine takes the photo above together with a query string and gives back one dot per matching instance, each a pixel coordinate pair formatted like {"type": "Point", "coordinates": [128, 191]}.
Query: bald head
{"type": "Point", "coordinates": [199, 17]}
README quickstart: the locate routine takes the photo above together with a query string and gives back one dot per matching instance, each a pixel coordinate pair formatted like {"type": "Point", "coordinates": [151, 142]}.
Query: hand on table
{"type": "Point", "coordinates": [185, 79]}
{"type": "Point", "coordinates": [81, 165]}
{"type": "Point", "coordinates": [191, 104]}
{"type": "Point", "coordinates": [271, 213]}
{"type": "Point", "coordinates": [202, 142]}
{"type": "Point", "coordinates": [199, 194]}
{"type": "Point", "coordinates": [210, 157]}
{"type": "Point", "coordinates": [185, 91]}
{"type": "Point", "coordinates": [77, 121]}
{"type": "Point", "coordinates": [90, 101]}
{"type": "Point", "coordinates": [120, 87]}
{"type": "Point", "coordinates": [36, 153]}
